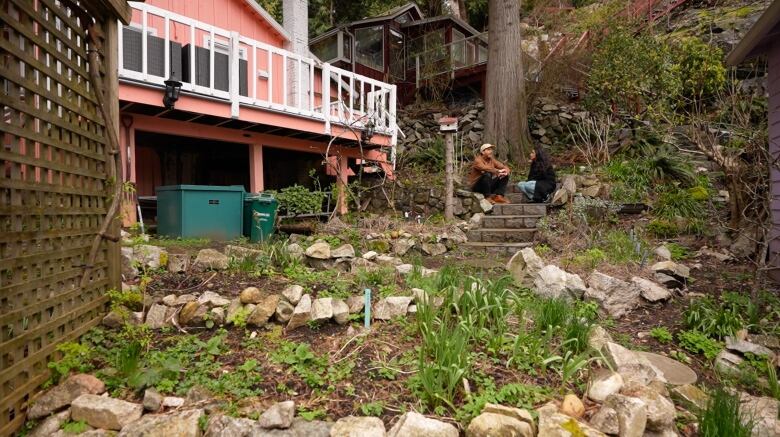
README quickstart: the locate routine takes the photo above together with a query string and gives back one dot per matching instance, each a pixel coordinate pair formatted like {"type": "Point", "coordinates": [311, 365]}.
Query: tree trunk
{"type": "Point", "coordinates": [506, 124]}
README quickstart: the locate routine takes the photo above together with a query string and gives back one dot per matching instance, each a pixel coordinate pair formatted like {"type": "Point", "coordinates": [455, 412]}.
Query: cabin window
{"type": "Point", "coordinates": [369, 47]}
{"type": "Point", "coordinates": [405, 18]}
{"type": "Point", "coordinates": [458, 48]}
{"type": "Point", "coordinates": [346, 45]}
{"type": "Point", "coordinates": [397, 58]}
{"type": "Point", "coordinates": [482, 54]}
{"type": "Point", "coordinates": [434, 45]}
{"type": "Point", "coordinates": [326, 49]}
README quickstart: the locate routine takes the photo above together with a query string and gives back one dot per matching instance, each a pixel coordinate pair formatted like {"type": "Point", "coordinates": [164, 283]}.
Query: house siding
{"type": "Point", "coordinates": [773, 82]}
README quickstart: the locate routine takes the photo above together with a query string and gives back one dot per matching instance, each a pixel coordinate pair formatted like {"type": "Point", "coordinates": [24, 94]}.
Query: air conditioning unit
{"type": "Point", "coordinates": [132, 57]}
{"type": "Point", "coordinates": [221, 69]}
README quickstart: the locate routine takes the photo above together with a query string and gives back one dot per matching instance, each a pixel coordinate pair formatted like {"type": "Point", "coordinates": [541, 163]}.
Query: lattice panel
{"type": "Point", "coordinates": [53, 195]}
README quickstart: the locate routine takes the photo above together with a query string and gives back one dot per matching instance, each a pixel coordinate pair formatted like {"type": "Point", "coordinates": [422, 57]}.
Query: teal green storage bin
{"type": "Point", "coordinates": [259, 216]}
{"type": "Point", "coordinates": [200, 211]}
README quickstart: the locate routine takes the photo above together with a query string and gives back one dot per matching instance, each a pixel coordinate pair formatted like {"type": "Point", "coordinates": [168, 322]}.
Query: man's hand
{"type": "Point", "coordinates": [503, 173]}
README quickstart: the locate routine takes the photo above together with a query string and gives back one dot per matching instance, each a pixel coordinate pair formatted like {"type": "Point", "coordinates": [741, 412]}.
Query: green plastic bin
{"type": "Point", "coordinates": [200, 211]}
{"type": "Point", "coordinates": [259, 216]}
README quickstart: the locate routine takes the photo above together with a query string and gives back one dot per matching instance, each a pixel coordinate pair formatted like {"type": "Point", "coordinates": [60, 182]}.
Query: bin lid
{"type": "Point", "coordinates": [260, 197]}
{"type": "Point", "coordinates": [201, 188]}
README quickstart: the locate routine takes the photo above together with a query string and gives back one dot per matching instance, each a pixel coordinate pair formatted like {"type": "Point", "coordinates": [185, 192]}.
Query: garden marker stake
{"type": "Point", "coordinates": [367, 305]}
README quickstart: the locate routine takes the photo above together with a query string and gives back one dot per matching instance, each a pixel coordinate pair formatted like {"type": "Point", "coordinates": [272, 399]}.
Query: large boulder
{"type": "Point", "coordinates": [352, 426]}
{"type": "Point", "coordinates": [524, 266]}
{"type": "Point", "coordinates": [181, 424]}
{"type": "Point", "coordinates": [319, 250]}
{"type": "Point", "coordinates": [150, 257]}
{"type": "Point", "coordinates": [51, 425]}
{"type": "Point", "coordinates": [279, 416]}
{"type": "Point", "coordinates": [193, 314]}
{"type": "Point", "coordinates": [210, 259]}
{"type": "Point", "coordinates": [64, 394]}
{"type": "Point", "coordinates": [284, 311]}
{"type": "Point", "coordinates": [660, 410]}
{"type": "Point", "coordinates": [517, 413]}
{"type": "Point", "coordinates": [212, 299]}
{"type": "Point", "coordinates": [178, 262]}
{"type": "Point", "coordinates": [340, 311]}
{"type": "Point", "coordinates": [222, 425]}
{"type": "Point", "coordinates": [553, 282]}
{"type": "Point", "coordinates": [433, 249]}
{"type": "Point", "coordinates": [492, 424]}
{"type": "Point", "coordinates": [603, 384]}
{"type": "Point", "coordinates": [555, 424]}
{"type": "Point", "coordinates": [762, 412]}
{"type": "Point", "coordinates": [356, 303]}
{"type": "Point", "coordinates": [606, 421]}
{"type": "Point", "coordinates": [391, 307]}
{"type": "Point", "coordinates": [103, 412]}
{"type": "Point", "coordinates": [155, 317]}
{"type": "Point", "coordinates": [293, 294]}
{"type": "Point", "coordinates": [631, 412]}
{"type": "Point", "coordinates": [300, 315]}
{"type": "Point", "coordinates": [413, 424]}
{"type": "Point", "coordinates": [615, 296]}
{"type": "Point", "coordinates": [402, 246]}
{"type": "Point", "coordinates": [263, 311]}
{"type": "Point", "coordinates": [651, 291]}
{"type": "Point", "coordinates": [321, 309]}
{"type": "Point", "coordinates": [344, 251]}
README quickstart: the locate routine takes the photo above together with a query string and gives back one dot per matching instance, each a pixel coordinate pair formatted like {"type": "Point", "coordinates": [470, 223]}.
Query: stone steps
{"type": "Point", "coordinates": [511, 221]}
{"type": "Point", "coordinates": [500, 249]}
{"type": "Point", "coordinates": [502, 235]}
{"type": "Point", "coordinates": [519, 209]}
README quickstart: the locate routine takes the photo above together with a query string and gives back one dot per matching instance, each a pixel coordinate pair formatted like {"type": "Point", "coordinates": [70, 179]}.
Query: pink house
{"type": "Point", "coordinates": [255, 107]}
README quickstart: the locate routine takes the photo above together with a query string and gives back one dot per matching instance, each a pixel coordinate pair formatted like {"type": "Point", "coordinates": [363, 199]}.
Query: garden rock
{"type": "Point", "coordinates": [673, 269]}
{"type": "Point", "coordinates": [690, 397]}
{"type": "Point", "coordinates": [321, 309]}
{"type": "Point", "coordinates": [355, 304]}
{"type": "Point", "coordinates": [149, 257]}
{"type": "Point", "coordinates": [129, 268]}
{"type": "Point", "coordinates": [299, 428]}
{"type": "Point", "coordinates": [606, 420]}
{"type": "Point", "coordinates": [217, 315]}
{"type": "Point", "coordinates": [673, 371]}
{"type": "Point", "coordinates": [113, 320]}
{"type": "Point", "coordinates": [744, 347]}
{"type": "Point", "coordinates": [386, 260]}
{"type": "Point", "coordinates": [263, 311]}
{"type": "Point", "coordinates": [728, 363]}
{"type": "Point", "coordinates": [301, 313]}
{"type": "Point", "coordinates": [352, 426]}
{"type": "Point", "coordinates": [663, 253]}
{"type": "Point", "coordinates": [295, 250]}
{"type": "Point", "coordinates": [192, 314]}
{"type": "Point", "coordinates": [233, 310]}
{"type": "Point", "coordinates": [105, 412]}
{"type": "Point", "coordinates": [492, 424]}
{"type": "Point", "coordinates": [669, 281]}
{"type": "Point", "coordinates": [524, 266]}
{"type": "Point", "coordinates": [391, 307]}
{"type": "Point", "coordinates": [210, 259]}
{"type": "Point", "coordinates": [318, 250]}
{"type": "Point", "coordinates": [293, 294]}
{"type": "Point", "coordinates": [279, 416]}
{"type": "Point", "coordinates": [152, 400]}
{"type": "Point", "coordinates": [762, 412]}
{"type": "Point", "coordinates": [555, 424]}
{"type": "Point", "coordinates": [402, 246]}
{"type": "Point", "coordinates": [284, 311]}
{"type": "Point", "coordinates": [660, 411]}
{"type": "Point", "coordinates": [434, 249]}
{"type": "Point", "coordinates": [651, 291]}
{"type": "Point", "coordinates": [50, 425]}
{"type": "Point", "coordinates": [180, 424]}
{"type": "Point", "coordinates": [615, 296]}
{"type": "Point", "coordinates": [183, 299]}
{"type": "Point", "coordinates": [631, 412]}
{"type": "Point", "coordinates": [212, 299]}
{"type": "Point", "coordinates": [344, 251]}
{"type": "Point", "coordinates": [413, 424]}
{"type": "Point", "coordinates": [572, 406]}
{"type": "Point", "coordinates": [340, 311]}
{"type": "Point", "coordinates": [370, 255]}
{"type": "Point", "coordinates": [250, 295]}
{"type": "Point", "coordinates": [517, 413]}
{"type": "Point", "coordinates": [64, 394]}
{"type": "Point", "coordinates": [598, 338]}
{"type": "Point", "coordinates": [552, 282]}
{"type": "Point", "coordinates": [239, 253]}
{"type": "Point", "coordinates": [176, 402]}
{"type": "Point", "coordinates": [178, 262]}
{"type": "Point", "coordinates": [404, 269]}
{"type": "Point", "coordinates": [476, 220]}
{"type": "Point", "coordinates": [604, 384]}
{"type": "Point", "coordinates": [155, 317]}
{"type": "Point", "coordinates": [225, 426]}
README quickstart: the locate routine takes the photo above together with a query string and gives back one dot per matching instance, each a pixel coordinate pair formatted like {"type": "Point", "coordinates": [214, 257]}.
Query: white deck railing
{"type": "Point", "coordinates": [275, 79]}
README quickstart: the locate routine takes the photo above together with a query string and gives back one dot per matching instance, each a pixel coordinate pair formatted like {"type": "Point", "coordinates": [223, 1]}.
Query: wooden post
{"type": "Point", "coordinates": [112, 95]}
{"type": "Point", "coordinates": [449, 126]}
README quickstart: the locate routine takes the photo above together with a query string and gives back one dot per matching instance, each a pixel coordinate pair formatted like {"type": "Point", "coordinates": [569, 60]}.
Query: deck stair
{"type": "Point", "coordinates": [509, 227]}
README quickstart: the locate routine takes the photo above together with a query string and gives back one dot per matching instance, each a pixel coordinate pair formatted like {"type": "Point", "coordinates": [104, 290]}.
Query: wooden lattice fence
{"type": "Point", "coordinates": [55, 187]}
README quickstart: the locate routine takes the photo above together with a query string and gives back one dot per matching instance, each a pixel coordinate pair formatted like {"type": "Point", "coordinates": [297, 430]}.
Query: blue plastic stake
{"type": "Point", "coordinates": [367, 307]}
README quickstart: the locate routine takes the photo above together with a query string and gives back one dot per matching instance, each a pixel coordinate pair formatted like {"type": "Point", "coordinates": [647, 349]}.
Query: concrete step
{"type": "Point", "coordinates": [516, 198]}
{"type": "Point", "coordinates": [497, 235]}
{"type": "Point", "coordinates": [497, 249]}
{"type": "Point", "coordinates": [539, 209]}
{"type": "Point", "coordinates": [510, 221]}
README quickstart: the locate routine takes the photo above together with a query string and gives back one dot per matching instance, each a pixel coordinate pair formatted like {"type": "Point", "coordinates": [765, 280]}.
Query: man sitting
{"type": "Point", "coordinates": [489, 176]}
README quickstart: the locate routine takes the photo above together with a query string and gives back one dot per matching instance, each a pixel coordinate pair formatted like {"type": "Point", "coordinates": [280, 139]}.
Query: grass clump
{"type": "Point", "coordinates": [722, 317]}
{"type": "Point", "coordinates": [661, 334]}
{"type": "Point", "coordinates": [723, 418]}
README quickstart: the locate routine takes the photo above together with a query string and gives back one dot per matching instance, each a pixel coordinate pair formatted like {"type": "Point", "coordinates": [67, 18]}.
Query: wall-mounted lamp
{"type": "Point", "coordinates": [368, 131]}
{"type": "Point", "coordinates": [172, 89]}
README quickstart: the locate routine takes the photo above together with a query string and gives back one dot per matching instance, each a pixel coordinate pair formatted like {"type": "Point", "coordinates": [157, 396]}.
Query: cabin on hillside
{"type": "Point", "coordinates": [216, 92]}
{"type": "Point", "coordinates": [405, 48]}
{"type": "Point", "coordinates": [763, 39]}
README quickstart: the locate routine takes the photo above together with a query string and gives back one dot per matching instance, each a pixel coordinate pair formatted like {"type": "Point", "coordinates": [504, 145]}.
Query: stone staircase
{"type": "Point", "coordinates": [508, 228]}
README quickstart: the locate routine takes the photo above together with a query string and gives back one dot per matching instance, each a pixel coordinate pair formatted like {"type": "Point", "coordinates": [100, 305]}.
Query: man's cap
{"type": "Point", "coordinates": [486, 146]}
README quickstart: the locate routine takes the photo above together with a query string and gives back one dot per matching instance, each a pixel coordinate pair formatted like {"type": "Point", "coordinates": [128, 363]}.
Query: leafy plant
{"type": "Point", "coordinates": [675, 202]}
{"type": "Point", "coordinates": [310, 415]}
{"type": "Point", "coordinates": [678, 252]}
{"type": "Point", "coordinates": [662, 228]}
{"type": "Point", "coordinates": [372, 408]}
{"type": "Point", "coordinates": [75, 357]}
{"type": "Point", "coordinates": [720, 318]}
{"type": "Point", "coordinates": [297, 199]}
{"type": "Point", "coordinates": [723, 418]}
{"type": "Point", "coordinates": [590, 258]}
{"type": "Point", "coordinates": [698, 342]}
{"type": "Point", "coordinates": [700, 66]}
{"type": "Point", "coordinates": [130, 299]}
{"type": "Point", "coordinates": [661, 334]}
{"type": "Point", "coordinates": [514, 394]}
{"type": "Point", "coordinates": [74, 427]}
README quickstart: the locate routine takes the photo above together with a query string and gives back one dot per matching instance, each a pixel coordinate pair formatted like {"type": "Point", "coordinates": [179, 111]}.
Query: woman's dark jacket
{"type": "Point", "coordinates": [545, 180]}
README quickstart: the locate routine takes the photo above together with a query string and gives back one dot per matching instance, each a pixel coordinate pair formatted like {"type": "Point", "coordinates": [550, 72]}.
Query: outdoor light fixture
{"type": "Point", "coordinates": [368, 131]}
{"type": "Point", "coordinates": [172, 88]}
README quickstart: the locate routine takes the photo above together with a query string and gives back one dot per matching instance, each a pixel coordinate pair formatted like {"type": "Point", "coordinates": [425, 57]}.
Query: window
{"type": "Point", "coordinates": [482, 54]}
{"type": "Point", "coordinates": [434, 45]}
{"type": "Point", "coordinates": [346, 40]}
{"type": "Point", "coordinates": [369, 47]}
{"type": "Point", "coordinates": [397, 59]}
{"type": "Point", "coordinates": [405, 18]}
{"type": "Point", "coordinates": [458, 48]}
{"type": "Point", "coordinates": [222, 46]}
{"type": "Point", "coordinates": [327, 49]}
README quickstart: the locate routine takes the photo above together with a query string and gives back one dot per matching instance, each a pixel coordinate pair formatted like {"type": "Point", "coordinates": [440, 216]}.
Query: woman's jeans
{"type": "Point", "coordinates": [528, 188]}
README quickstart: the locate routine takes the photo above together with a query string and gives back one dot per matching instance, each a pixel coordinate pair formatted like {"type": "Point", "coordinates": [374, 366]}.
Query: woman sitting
{"type": "Point", "coordinates": [541, 178]}
{"type": "Point", "coordinates": [488, 175]}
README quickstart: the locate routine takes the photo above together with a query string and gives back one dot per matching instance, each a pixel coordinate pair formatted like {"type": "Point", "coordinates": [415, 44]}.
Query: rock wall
{"type": "Point", "coordinates": [427, 202]}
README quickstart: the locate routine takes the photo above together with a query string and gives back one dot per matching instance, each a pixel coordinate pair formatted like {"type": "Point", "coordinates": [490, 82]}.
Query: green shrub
{"type": "Point", "coordinates": [720, 318]}
{"type": "Point", "coordinates": [662, 228]}
{"type": "Point", "coordinates": [298, 199]}
{"type": "Point", "coordinates": [630, 180]}
{"type": "Point", "coordinates": [75, 357]}
{"type": "Point", "coordinates": [722, 417]}
{"type": "Point", "coordinates": [372, 408]}
{"type": "Point", "coordinates": [700, 67]}
{"type": "Point", "coordinates": [661, 334]}
{"type": "Point", "coordinates": [696, 342]}
{"type": "Point", "coordinates": [514, 394]}
{"type": "Point", "coordinates": [678, 251]}
{"type": "Point", "coordinates": [130, 299]}
{"type": "Point", "coordinates": [622, 247]}
{"type": "Point", "coordinates": [590, 258]}
{"type": "Point", "coordinates": [675, 202]}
